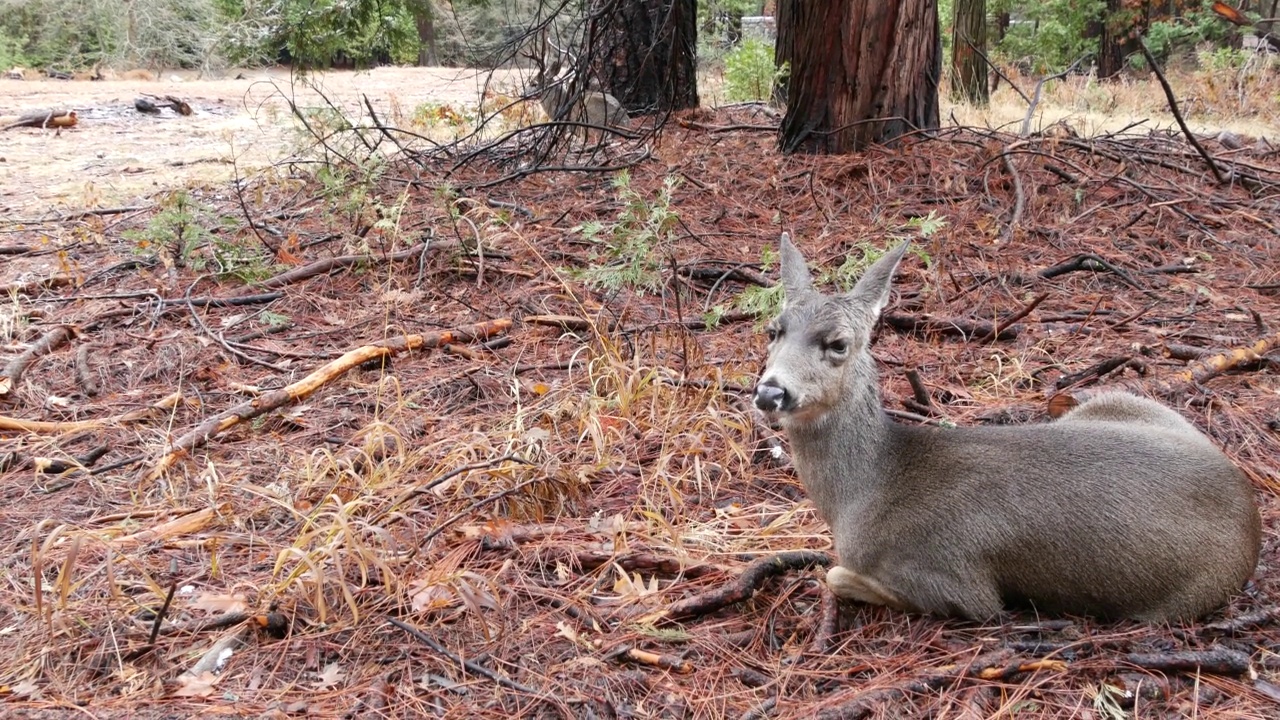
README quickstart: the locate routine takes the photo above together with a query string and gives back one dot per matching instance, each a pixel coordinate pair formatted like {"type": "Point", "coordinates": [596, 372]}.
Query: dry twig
{"type": "Point", "coordinates": [746, 584]}
{"type": "Point", "coordinates": [303, 388]}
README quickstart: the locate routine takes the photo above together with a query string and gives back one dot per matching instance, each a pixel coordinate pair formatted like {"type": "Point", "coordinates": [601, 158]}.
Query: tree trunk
{"type": "Point", "coordinates": [1116, 33]}
{"type": "Point", "coordinates": [1002, 25]}
{"type": "Point", "coordinates": [424, 18]}
{"type": "Point", "coordinates": [968, 45]}
{"type": "Point", "coordinates": [862, 72]}
{"type": "Point", "coordinates": [784, 45]}
{"type": "Point", "coordinates": [644, 51]}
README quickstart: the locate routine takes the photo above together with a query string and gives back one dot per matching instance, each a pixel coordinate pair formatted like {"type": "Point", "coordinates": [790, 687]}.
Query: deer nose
{"type": "Point", "coordinates": [770, 397]}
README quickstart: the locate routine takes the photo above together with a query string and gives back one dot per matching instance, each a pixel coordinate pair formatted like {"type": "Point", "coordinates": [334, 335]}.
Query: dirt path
{"type": "Point", "coordinates": [117, 155]}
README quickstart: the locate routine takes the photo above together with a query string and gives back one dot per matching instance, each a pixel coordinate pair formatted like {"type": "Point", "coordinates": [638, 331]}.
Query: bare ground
{"type": "Point", "coordinates": [118, 156]}
{"type": "Point", "coordinates": [536, 505]}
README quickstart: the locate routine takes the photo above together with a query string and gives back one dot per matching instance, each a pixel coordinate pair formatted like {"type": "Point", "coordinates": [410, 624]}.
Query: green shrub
{"type": "Point", "coordinates": [631, 252]}
{"type": "Point", "coordinates": [749, 71]}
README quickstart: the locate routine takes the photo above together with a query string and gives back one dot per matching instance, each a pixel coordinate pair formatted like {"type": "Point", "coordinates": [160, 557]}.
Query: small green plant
{"type": "Point", "coordinates": [765, 302]}
{"type": "Point", "coordinates": [855, 264]}
{"type": "Point", "coordinates": [274, 320]}
{"type": "Point", "coordinates": [176, 231]}
{"type": "Point", "coordinates": [245, 260]}
{"type": "Point", "coordinates": [1224, 58]}
{"type": "Point", "coordinates": [750, 72]}
{"type": "Point", "coordinates": [430, 114]}
{"type": "Point", "coordinates": [630, 251]}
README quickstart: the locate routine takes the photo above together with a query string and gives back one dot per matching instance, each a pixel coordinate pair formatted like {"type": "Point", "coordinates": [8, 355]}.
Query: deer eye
{"type": "Point", "coordinates": [772, 332]}
{"type": "Point", "coordinates": [836, 346]}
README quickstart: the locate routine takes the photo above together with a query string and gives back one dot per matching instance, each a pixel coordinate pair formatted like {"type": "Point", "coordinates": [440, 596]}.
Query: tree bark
{"type": "Point", "coordinates": [644, 51]}
{"type": "Point", "coordinates": [425, 20]}
{"type": "Point", "coordinates": [1120, 25]}
{"type": "Point", "coordinates": [968, 45]}
{"type": "Point", "coordinates": [784, 45]}
{"type": "Point", "coordinates": [862, 72]}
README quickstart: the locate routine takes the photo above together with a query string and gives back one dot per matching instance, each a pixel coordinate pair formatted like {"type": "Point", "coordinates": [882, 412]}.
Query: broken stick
{"type": "Point", "coordinates": [51, 340]}
{"type": "Point", "coordinates": [302, 389]}
{"type": "Point", "coordinates": [42, 426]}
{"type": "Point", "coordinates": [746, 584]}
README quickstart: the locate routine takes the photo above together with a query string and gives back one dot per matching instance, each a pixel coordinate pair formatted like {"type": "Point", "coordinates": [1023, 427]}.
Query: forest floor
{"type": "Point", "coordinates": [462, 435]}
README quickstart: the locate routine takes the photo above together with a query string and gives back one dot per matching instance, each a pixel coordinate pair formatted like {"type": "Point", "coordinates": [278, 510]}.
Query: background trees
{"type": "Point", "coordinates": [1035, 36]}
{"type": "Point", "coordinates": [968, 47]}
{"type": "Point", "coordinates": [862, 72]}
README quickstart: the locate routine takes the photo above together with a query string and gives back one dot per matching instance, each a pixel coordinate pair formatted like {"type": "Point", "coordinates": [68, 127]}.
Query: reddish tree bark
{"type": "Point", "coordinates": [862, 72]}
{"type": "Point", "coordinates": [968, 45]}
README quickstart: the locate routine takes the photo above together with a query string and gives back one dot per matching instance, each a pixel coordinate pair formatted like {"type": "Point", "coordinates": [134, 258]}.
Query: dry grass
{"type": "Point", "coordinates": [1239, 97]}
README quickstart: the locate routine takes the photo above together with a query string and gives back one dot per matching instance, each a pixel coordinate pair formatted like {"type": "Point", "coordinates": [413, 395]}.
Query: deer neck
{"type": "Point", "coordinates": [837, 457]}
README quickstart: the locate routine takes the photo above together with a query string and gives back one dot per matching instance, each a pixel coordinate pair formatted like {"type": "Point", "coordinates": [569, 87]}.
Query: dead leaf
{"type": "Point", "coordinates": [634, 586]}
{"type": "Point", "coordinates": [234, 603]}
{"type": "Point", "coordinates": [566, 631]}
{"type": "Point", "coordinates": [57, 402]}
{"type": "Point", "coordinates": [477, 598]}
{"type": "Point", "coordinates": [196, 685]}
{"type": "Point", "coordinates": [25, 690]}
{"type": "Point", "coordinates": [330, 676]}
{"type": "Point", "coordinates": [426, 596]}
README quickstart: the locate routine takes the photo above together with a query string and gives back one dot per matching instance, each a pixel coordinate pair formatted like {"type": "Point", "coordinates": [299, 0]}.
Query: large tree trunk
{"type": "Point", "coordinates": [1120, 25]}
{"type": "Point", "coordinates": [862, 72]}
{"type": "Point", "coordinates": [784, 45]}
{"type": "Point", "coordinates": [646, 51]}
{"type": "Point", "coordinates": [968, 45]}
{"type": "Point", "coordinates": [424, 18]}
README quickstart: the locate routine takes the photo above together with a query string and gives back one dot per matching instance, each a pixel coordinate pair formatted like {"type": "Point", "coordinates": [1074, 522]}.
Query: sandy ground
{"type": "Point", "coordinates": [116, 155]}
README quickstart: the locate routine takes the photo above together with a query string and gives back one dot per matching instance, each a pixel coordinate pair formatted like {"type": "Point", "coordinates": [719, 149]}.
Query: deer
{"type": "Point", "coordinates": [564, 97]}
{"type": "Point", "coordinates": [1119, 509]}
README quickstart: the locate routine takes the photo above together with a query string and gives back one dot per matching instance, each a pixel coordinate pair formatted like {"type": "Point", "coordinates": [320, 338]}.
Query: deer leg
{"type": "Point", "coordinates": [849, 585]}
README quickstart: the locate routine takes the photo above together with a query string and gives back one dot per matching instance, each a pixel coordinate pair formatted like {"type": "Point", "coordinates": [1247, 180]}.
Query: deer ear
{"type": "Point", "coordinates": [796, 280]}
{"type": "Point", "coordinates": [872, 291]}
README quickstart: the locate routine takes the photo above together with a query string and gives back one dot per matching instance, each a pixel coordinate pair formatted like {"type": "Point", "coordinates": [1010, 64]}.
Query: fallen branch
{"type": "Point", "coordinates": [1203, 370]}
{"type": "Point", "coordinates": [318, 267]}
{"type": "Point", "coordinates": [1183, 381]}
{"type": "Point", "coordinates": [49, 342]}
{"type": "Point", "coordinates": [1216, 660]}
{"type": "Point", "coordinates": [1177, 115]}
{"type": "Point", "coordinates": [967, 329]}
{"type": "Point", "coordinates": [1092, 263]}
{"type": "Point", "coordinates": [746, 584]}
{"type": "Point", "coordinates": [302, 389]}
{"type": "Point", "coordinates": [473, 667]}
{"type": "Point", "coordinates": [828, 623]}
{"type": "Point", "coordinates": [41, 426]}
{"type": "Point", "coordinates": [45, 119]}
{"type": "Point", "coordinates": [1097, 370]}
{"type": "Point", "coordinates": [1005, 323]}
{"type": "Point", "coordinates": [996, 665]}
{"type": "Point", "coordinates": [183, 525]}
{"type": "Point", "coordinates": [29, 288]}
{"type": "Point", "coordinates": [645, 657]}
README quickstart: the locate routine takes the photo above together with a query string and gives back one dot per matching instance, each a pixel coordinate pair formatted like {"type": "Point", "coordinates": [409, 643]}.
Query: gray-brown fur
{"type": "Point", "coordinates": [1119, 509]}
{"type": "Point", "coordinates": [565, 99]}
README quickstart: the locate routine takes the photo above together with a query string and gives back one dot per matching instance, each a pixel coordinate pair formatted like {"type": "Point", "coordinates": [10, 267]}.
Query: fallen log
{"type": "Point", "coordinates": [45, 119]}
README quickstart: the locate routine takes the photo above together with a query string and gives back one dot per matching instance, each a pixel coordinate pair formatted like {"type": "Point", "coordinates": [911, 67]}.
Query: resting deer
{"type": "Point", "coordinates": [1121, 508]}
{"type": "Point", "coordinates": [563, 97]}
